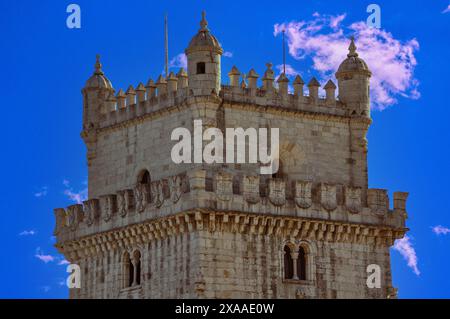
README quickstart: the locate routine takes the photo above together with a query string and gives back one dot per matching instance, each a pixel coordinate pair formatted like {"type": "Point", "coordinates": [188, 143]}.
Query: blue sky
{"type": "Point", "coordinates": [45, 65]}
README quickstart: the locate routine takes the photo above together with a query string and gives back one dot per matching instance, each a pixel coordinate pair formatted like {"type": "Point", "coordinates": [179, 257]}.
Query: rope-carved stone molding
{"type": "Point", "coordinates": [302, 194]}
{"type": "Point", "coordinates": [235, 222]}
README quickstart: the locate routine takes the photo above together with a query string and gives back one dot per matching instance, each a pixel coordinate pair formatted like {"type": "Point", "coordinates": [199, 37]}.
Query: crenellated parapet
{"type": "Point", "coordinates": [225, 192]}
{"type": "Point", "coordinates": [278, 92]}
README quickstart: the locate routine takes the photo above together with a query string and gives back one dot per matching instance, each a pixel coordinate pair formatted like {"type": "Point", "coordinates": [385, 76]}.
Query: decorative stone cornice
{"type": "Point", "coordinates": [234, 222]}
{"type": "Point", "coordinates": [187, 191]}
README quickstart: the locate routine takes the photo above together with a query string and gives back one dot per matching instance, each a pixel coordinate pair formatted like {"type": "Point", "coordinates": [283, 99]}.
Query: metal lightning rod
{"type": "Point", "coordinates": [284, 55]}
{"type": "Point", "coordinates": [166, 46]}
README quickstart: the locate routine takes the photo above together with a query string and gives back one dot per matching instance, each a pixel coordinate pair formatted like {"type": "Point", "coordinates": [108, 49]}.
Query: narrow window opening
{"type": "Point", "coordinates": [201, 68]}
{"type": "Point", "coordinates": [301, 264]}
{"type": "Point", "coordinates": [288, 263]}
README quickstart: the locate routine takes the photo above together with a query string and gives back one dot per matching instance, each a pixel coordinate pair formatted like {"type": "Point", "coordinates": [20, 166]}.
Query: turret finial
{"type": "Point", "coordinates": [203, 23]}
{"type": "Point", "coordinates": [352, 48]}
{"type": "Point", "coordinates": [98, 65]}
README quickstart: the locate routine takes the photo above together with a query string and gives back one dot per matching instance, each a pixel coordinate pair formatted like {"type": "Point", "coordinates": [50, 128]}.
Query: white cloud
{"type": "Point", "coordinates": [324, 39]}
{"type": "Point", "coordinates": [446, 10]}
{"type": "Point", "coordinates": [406, 249]}
{"type": "Point", "coordinates": [179, 61]}
{"type": "Point", "coordinates": [28, 233]}
{"type": "Point", "coordinates": [441, 230]}
{"type": "Point", "coordinates": [43, 192]}
{"type": "Point", "coordinates": [228, 54]}
{"type": "Point", "coordinates": [77, 197]}
{"type": "Point", "coordinates": [290, 71]}
{"type": "Point", "coordinates": [63, 262]}
{"type": "Point", "coordinates": [43, 257]}
{"type": "Point", "coordinates": [335, 21]}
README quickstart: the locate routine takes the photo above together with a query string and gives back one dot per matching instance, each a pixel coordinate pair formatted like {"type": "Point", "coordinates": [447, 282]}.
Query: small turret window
{"type": "Point", "coordinates": [201, 68]}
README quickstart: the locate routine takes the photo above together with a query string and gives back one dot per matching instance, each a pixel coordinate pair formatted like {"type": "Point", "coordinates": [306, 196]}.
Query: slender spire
{"type": "Point", "coordinates": [352, 48]}
{"type": "Point", "coordinates": [98, 65]}
{"type": "Point", "coordinates": [203, 23]}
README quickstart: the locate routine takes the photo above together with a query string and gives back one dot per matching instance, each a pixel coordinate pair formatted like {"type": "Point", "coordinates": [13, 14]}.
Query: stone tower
{"type": "Point", "coordinates": [152, 228]}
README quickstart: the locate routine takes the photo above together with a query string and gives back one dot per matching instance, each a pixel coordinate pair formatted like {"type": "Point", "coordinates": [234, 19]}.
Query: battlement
{"type": "Point", "coordinates": [174, 92]}
{"type": "Point", "coordinates": [224, 192]}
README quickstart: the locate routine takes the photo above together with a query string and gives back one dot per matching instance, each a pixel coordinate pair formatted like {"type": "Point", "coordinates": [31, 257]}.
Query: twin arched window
{"type": "Point", "coordinates": [295, 263]}
{"type": "Point", "coordinates": [131, 269]}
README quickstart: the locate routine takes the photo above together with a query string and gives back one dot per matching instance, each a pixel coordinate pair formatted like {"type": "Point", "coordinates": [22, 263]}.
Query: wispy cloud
{"type": "Point", "coordinates": [46, 288]}
{"type": "Point", "coordinates": [324, 39]}
{"type": "Point", "coordinates": [335, 21]}
{"type": "Point", "coordinates": [42, 193]}
{"type": "Point", "coordinates": [28, 233]}
{"type": "Point", "coordinates": [290, 71]}
{"type": "Point", "coordinates": [179, 61]}
{"type": "Point", "coordinates": [63, 262]}
{"type": "Point", "coordinates": [446, 10]}
{"type": "Point", "coordinates": [440, 230]}
{"type": "Point", "coordinates": [76, 196]}
{"type": "Point", "coordinates": [43, 257]}
{"type": "Point", "coordinates": [406, 249]}
{"type": "Point", "coordinates": [227, 54]}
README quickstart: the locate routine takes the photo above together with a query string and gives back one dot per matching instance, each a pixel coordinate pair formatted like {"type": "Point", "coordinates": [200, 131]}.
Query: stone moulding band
{"type": "Point", "coordinates": [234, 222]}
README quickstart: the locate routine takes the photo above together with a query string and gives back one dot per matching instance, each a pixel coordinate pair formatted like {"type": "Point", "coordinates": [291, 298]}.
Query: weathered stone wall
{"type": "Point", "coordinates": [316, 148]}
{"type": "Point", "coordinates": [222, 264]}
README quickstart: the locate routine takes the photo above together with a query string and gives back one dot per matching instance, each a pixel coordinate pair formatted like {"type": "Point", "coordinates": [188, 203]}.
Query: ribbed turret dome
{"type": "Point", "coordinates": [204, 40]}
{"type": "Point", "coordinates": [353, 63]}
{"type": "Point", "coordinates": [98, 79]}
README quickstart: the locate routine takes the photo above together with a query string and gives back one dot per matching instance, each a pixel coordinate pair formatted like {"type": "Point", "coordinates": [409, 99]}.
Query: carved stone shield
{"type": "Point", "coordinates": [61, 220]}
{"type": "Point", "coordinates": [303, 194]}
{"type": "Point", "coordinates": [157, 194]}
{"type": "Point", "coordinates": [224, 186]}
{"type": "Point", "coordinates": [107, 204]}
{"type": "Point", "coordinates": [176, 188]}
{"type": "Point", "coordinates": [140, 197]}
{"type": "Point", "coordinates": [91, 211]}
{"type": "Point", "coordinates": [328, 196]}
{"type": "Point", "coordinates": [378, 201]}
{"type": "Point", "coordinates": [124, 201]}
{"type": "Point", "coordinates": [74, 216]}
{"type": "Point", "coordinates": [353, 199]}
{"type": "Point", "coordinates": [251, 189]}
{"type": "Point", "coordinates": [277, 191]}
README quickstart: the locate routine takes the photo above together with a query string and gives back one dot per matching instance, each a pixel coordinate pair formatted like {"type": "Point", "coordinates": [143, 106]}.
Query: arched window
{"type": "Point", "coordinates": [127, 271]}
{"type": "Point", "coordinates": [288, 263]}
{"type": "Point", "coordinates": [301, 263]}
{"type": "Point", "coordinates": [144, 178]}
{"type": "Point", "coordinates": [131, 269]}
{"type": "Point", "coordinates": [201, 68]}
{"type": "Point", "coordinates": [137, 267]}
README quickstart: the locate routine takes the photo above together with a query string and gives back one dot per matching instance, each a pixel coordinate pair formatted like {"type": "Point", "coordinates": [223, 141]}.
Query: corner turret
{"type": "Point", "coordinates": [97, 96]}
{"type": "Point", "coordinates": [203, 55]}
{"type": "Point", "coordinates": [96, 92]}
{"type": "Point", "coordinates": [353, 78]}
